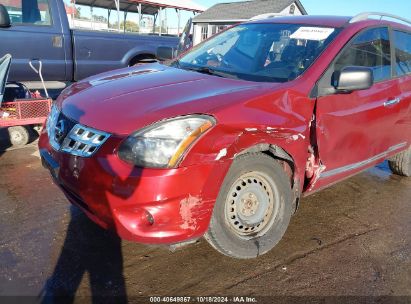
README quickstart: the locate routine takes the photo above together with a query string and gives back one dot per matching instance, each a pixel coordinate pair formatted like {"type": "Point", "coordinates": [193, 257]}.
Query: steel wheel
{"type": "Point", "coordinates": [252, 206]}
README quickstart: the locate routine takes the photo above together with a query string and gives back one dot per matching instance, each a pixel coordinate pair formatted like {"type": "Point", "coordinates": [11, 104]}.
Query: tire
{"type": "Point", "coordinates": [37, 129]}
{"type": "Point", "coordinates": [142, 59]}
{"type": "Point", "coordinates": [400, 164]}
{"type": "Point", "coordinates": [253, 208]}
{"type": "Point", "coordinates": [19, 136]}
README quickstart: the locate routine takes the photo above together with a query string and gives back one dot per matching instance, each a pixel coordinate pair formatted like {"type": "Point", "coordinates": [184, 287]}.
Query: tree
{"type": "Point", "coordinates": [131, 26]}
{"type": "Point", "coordinates": [77, 14]}
{"type": "Point", "coordinates": [98, 18]}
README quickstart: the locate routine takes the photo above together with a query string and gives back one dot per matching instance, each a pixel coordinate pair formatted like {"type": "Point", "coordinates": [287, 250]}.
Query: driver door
{"type": "Point", "coordinates": [355, 129]}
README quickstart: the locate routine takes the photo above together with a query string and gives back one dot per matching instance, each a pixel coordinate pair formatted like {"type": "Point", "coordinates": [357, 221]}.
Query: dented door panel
{"type": "Point", "coordinates": [353, 129]}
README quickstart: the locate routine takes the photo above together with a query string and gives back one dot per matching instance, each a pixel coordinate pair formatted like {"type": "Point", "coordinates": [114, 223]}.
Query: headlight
{"type": "Point", "coordinates": [163, 144]}
{"type": "Point", "coordinates": [51, 126]}
{"type": "Point", "coordinates": [52, 118]}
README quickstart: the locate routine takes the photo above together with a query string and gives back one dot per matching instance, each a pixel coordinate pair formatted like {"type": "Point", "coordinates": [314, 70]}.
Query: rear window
{"type": "Point", "coordinates": [402, 42]}
{"type": "Point", "coordinates": [35, 12]}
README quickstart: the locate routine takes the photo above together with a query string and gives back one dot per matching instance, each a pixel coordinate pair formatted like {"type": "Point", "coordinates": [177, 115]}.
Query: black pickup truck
{"type": "Point", "coordinates": [38, 30]}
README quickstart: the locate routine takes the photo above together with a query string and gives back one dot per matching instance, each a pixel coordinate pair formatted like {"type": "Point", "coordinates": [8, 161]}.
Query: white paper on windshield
{"type": "Point", "coordinates": [312, 33]}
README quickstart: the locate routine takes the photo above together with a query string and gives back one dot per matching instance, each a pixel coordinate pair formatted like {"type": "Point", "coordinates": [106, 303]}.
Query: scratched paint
{"type": "Point", "coordinates": [187, 206]}
{"type": "Point", "coordinates": [221, 154]}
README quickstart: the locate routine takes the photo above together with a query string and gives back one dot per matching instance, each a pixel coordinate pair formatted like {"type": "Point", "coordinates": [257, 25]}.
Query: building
{"type": "Point", "coordinates": [221, 15]}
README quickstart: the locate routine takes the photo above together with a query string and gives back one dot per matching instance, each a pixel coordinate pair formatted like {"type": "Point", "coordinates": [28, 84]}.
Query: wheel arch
{"type": "Point", "coordinates": [286, 160]}
{"type": "Point", "coordinates": [138, 57]}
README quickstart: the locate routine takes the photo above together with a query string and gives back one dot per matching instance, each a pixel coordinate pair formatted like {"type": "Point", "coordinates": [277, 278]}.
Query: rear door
{"type": "Point", "coordinates": [358, 128]}
{"type": "Point", "coordinates": [36, 34]}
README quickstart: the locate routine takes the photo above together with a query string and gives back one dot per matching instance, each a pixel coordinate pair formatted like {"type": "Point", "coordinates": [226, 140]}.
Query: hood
{"type": "Point", "coordinates": [123, 101]}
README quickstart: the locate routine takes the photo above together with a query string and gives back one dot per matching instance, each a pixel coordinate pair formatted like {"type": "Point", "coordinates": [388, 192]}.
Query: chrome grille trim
{"type": "Point", "coordinates": [77, 140]}
{"type": "Point", "coordinates": [83, 141]}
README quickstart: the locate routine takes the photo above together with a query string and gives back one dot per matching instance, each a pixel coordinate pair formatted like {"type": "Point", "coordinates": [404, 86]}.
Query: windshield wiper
{"type": "Point", "coordinates": [175, 63]}
{"type": "Point", "coordinates": [210, 71]}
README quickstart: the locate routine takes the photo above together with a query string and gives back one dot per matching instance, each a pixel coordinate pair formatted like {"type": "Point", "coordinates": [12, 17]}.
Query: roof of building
{"type": "Point", "coordinates": [149, 7]}
{"type": "Point", "coordinates": [239, 11]}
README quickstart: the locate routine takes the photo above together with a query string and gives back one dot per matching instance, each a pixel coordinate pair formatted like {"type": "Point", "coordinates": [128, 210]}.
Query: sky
{"type": "Point", "coordinates": [332, 7]}
{"type": "Point", "coordinates": [343, 7]}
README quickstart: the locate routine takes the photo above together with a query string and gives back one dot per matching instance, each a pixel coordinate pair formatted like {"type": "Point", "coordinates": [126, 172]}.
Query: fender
{"type": "Point", "coordinates": [288, 145]}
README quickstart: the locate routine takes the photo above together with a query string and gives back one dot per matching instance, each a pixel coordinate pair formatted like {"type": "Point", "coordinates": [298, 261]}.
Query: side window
{"type": "Point", "coordinates": [402, 42]}
{"type": "Point", "coordinates": [34, 12]}
{"type": "Point", "coordinates": [370, 49]}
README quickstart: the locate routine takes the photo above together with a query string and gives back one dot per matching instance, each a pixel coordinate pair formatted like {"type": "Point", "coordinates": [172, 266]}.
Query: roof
{"type": "Point", "coordinates": [330, 21]}
{"type": "Point", "coordinates": [149, 7]}
{"type": "Point", "coordinates": [240, 11]}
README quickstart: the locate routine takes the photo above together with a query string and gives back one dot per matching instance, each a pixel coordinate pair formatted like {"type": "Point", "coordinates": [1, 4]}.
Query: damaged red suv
{"type": "Point", "coordinates": [225, 140]}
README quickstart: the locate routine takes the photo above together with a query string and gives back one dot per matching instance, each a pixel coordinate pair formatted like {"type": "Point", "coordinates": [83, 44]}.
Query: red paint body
{"type": "Point", "coordinates": [349, 129]}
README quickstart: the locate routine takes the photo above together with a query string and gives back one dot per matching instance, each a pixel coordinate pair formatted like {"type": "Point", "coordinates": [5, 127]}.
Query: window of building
{"type": "Point", "coordinates": [35, 12]}
{"type": "Point", "coordinates": [402, 42]}
{"type": "Point", "coordinates": [292, 9]}
{"type": "Point", "coordinates": [215, 29]}
{"type": "Point", "coordinates": [370, 49]}
{"type": "Point", "coordinates": [204, 32]}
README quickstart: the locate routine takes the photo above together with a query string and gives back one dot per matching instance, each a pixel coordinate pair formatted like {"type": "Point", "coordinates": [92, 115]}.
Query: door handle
{"type": "Point", "coordinates": [392, 102]}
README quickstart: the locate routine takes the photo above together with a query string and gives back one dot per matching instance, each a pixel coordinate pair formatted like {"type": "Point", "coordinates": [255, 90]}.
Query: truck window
{"type": "Point", "coordinates": [33, 12]}
{"type": "Point", "coordinates": [402, 42]}
{"type": "Point", "coordinates": [369, 49]}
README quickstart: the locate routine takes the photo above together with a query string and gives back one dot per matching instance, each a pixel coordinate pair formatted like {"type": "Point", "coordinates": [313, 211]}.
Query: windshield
{"type": "Point", "coordinates": [266, 52]}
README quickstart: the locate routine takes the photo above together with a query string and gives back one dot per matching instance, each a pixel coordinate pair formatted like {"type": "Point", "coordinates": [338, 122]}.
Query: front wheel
{"type": "Point", "coordinates": [253, 208]}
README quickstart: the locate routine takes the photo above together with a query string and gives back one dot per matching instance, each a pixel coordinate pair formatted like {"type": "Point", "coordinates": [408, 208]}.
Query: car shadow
{"type": "Point", "coordinates": [87, 250]}
{"type": "Point", "coordinates": [4, 140]}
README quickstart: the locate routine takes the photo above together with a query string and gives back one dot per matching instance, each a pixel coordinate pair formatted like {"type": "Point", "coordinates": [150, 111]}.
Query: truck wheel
{"type": "Point", "coordinates": [142, 59]}
{"type": "Point", "coordinates": [19, 136]}
{"type": "Point", "coordinates": [37, 129]}
{"type": "Point", "coordinates": [253, 208]}
{"type": "Point", "coordinates": [400, 164]}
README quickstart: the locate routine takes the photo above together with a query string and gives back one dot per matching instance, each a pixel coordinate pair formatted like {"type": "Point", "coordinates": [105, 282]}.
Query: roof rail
{"type": "Point", "coordinates": [366, 15]}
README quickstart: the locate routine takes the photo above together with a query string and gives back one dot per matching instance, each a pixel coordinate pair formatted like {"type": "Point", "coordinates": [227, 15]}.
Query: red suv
{"type": "Point", "coordinates": [225, 140]}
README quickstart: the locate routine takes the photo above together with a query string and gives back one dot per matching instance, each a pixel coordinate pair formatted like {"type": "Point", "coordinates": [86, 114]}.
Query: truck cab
{"type": "Point", "coordinates": [39, 31]}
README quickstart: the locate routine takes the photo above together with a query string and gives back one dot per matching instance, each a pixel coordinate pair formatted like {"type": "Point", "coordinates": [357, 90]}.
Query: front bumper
{"type": "Point", "coordinates": [149, 206]}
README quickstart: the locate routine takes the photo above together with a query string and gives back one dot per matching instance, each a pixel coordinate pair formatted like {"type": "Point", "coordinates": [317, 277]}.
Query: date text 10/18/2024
{"type": "Point", "coordinates": [203, 300]}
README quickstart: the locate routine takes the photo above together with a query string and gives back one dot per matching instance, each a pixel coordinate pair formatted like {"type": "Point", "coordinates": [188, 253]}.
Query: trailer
{"type": "Point", "coordinates": [21, 116]}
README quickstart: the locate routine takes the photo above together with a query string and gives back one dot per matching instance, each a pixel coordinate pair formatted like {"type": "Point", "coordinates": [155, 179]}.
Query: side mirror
{"type": "Point", "coordinates": [4, 17]}
{"type": "Point", "coordinates": [353, 78]}
{"type": "Point", "coordinates": [165, 53]}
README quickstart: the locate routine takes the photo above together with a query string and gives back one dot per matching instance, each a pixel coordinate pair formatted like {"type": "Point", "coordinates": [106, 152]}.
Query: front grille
{"type": "Point", "coordinates": [83, 141]}
{"type": "Point", "coordinates": [71, 137]}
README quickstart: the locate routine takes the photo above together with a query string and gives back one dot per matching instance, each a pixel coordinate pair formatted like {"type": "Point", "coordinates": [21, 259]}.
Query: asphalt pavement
{"type": "Point", "coordinates": [351, 241]}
